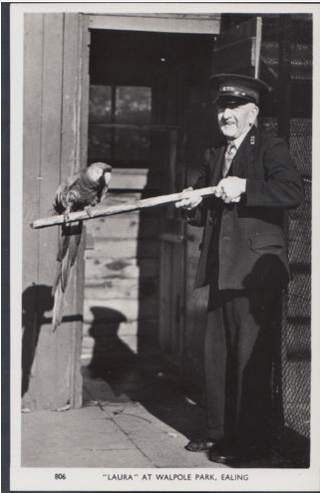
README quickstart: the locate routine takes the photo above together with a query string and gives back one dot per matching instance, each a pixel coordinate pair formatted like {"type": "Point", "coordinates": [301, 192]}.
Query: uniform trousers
{"type": "Point", "coordinates": [239, 348]}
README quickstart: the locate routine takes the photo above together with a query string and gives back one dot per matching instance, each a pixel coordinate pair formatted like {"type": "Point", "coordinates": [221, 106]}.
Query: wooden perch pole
{"type": "Point", "coordinates": [118, 209]}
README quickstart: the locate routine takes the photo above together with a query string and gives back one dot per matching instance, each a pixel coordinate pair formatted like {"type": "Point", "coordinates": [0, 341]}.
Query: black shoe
{"type": "Point", "coordinates": [221, 455]}
{"type": "Point", "coordinates": [200, 445]}
{"type": "Point", "coordinates": [225, 455]}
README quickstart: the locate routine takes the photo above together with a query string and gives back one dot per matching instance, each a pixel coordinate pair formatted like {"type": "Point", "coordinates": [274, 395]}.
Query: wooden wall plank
{"type": "Point", "coordinates": [70, 109]}
{"type": "Point", "coordinates": [146, 326]}
{"type": "Point", "coordinates": [46, 376]}
{"type": "Point", "coordinates": [42, 55]}
{"type": "Point", "coordinates": [196, 311]}
{"type": "Point", "coordinates": [67, 165]}
{"type": "Point", "coordinates": [32, 105]}
{"type": "Point", "coordinates": [53, 74]}
{"type": "Point", "coordinates": [122, 247]}
{"type": "Point", "coordinates": [157, 22]}
{"type": "Point", "coordinates": [83, 96]}
{"type": "Point", "coordinates": [124, 226]}
{"type": "Point", "coordinates": [125, 289]}
{"type": "Point", "coordinates": [131, 309]}
{"type": "Point", "coordinates": [120, 267]}
{"type": "Point", "coordinates": [76, 346]}
{"type": "Point", "coordinates": [51, 133]}
{"type": "Point", "coordinates": [122, 272]}
{"type": "Point", "coordinates": [82, 158]}
{"type": "Point", "coordinates": [67, 354]}
{"type": "Point", "coordinates": [164, 297]}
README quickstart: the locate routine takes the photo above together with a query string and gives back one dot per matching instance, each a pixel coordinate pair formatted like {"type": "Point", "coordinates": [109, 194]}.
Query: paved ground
{"type": "Point", "coordinates": [134, 415]}
{"type": "Point", "coordinates": [124, 435]}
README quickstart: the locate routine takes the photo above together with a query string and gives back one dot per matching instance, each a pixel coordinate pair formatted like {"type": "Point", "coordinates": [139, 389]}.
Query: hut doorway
{"type": "Point", "coordinates": [148, 97]}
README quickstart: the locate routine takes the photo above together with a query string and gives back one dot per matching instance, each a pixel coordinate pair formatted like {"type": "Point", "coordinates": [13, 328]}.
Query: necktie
{"type": "Point", "coordinates": [228, 157]}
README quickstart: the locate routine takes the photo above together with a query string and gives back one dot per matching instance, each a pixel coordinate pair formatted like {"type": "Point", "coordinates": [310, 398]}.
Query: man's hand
{"type": "Point", "coordinates": [230, 189]}
{"type": "Point", "coordinates": [189, 203]}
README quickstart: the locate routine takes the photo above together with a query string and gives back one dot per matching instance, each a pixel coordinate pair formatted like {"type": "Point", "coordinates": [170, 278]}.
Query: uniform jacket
{"type": "Point", "coordinates": [243, 244]}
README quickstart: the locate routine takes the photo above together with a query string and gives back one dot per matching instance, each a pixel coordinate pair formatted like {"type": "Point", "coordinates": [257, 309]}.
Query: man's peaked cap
{"type": "Point", "coordinates": [241, 87]}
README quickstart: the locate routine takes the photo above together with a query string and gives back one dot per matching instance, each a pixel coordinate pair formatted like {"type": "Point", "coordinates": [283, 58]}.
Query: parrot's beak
{"type": "Point", "coordinates": [107, 178]}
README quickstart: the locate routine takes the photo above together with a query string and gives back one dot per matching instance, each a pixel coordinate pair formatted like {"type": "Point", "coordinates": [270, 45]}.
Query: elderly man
{"type": "Point", "coordinates": [244, 260]}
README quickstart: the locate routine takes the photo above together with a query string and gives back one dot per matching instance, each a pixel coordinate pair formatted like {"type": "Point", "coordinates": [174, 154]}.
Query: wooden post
{"type": "Point", "coordinates": [54, 65]}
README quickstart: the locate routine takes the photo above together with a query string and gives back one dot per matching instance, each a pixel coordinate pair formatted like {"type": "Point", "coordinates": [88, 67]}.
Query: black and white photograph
{"type": "Point", "coordinates": [162, 333]}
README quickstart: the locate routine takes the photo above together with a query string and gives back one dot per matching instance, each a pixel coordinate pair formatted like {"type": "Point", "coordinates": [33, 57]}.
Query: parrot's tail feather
{"type": "Point", "coordinates": [68, 249]}
{"type": "Point", "coordinates": [63, 245]}
{"type": "Point", "coordinates": [56, 279]}
{"type": "Point", "coordinates": [65, 272]}
{"type": "Point", "coordinates": [74, 247]}
{"type": "Point", "coordinates": [57, 308]}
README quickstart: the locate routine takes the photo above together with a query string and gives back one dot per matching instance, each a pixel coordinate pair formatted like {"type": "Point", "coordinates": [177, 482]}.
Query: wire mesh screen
{"type": "Point", "coordinates": [296, 331]}
{"type": "Point", "coordinates": [296, 344]}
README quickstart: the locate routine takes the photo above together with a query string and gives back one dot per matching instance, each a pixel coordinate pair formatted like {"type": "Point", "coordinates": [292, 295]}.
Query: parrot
{"type": "Point", "coordinates": [81, 191]}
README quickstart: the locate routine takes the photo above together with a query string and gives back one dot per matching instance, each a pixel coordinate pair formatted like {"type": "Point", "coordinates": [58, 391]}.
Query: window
{"type": "Point", "coordinates": [119, 117]}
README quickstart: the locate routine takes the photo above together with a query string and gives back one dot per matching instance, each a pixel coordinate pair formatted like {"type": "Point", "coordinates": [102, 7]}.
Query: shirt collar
{"type": "Point", "coordinates": [237, 142]}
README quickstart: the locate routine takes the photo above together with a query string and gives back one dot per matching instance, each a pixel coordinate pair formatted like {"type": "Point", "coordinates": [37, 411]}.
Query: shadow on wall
{"type": "Point", "coordinates": [290, 443]}
{"type": "Point", "coordinates": [36, 300]}
{"type": "Point", "coordinates": [118, 375]}
{"type": "Point", "coordinates": [107, 343]}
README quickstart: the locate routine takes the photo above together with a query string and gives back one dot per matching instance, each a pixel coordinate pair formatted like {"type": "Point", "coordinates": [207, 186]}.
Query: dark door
{"type": "Point", "coordinates": [136, 123]}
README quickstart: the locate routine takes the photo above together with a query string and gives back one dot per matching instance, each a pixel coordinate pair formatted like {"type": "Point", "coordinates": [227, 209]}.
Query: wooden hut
{"type": "Point", "coordinates": [133, 90]}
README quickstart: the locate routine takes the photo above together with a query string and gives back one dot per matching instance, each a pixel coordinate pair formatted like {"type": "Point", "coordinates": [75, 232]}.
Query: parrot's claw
{"type": "Point", "coordinates": [88, 210]}
{"type": "Point", "coordinates": [66, 216]}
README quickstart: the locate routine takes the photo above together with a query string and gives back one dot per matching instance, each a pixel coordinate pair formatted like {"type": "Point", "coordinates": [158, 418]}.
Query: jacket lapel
{"type": "Point", "coordinates": [244, 159]}
{"type": "Point", "coordinates": [216, 166]}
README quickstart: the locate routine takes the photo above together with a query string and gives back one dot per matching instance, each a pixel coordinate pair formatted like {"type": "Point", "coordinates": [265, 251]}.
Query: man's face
{"type": "Point", "coordinates": [235, 117]}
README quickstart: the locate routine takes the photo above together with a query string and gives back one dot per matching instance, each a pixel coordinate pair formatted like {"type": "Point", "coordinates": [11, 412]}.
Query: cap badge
{"type": "Point", "coordinates": [228, 88]}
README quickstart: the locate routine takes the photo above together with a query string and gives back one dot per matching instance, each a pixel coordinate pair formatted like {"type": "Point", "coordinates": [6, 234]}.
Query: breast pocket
{"type": "Point", "coordinates": [267, 242]}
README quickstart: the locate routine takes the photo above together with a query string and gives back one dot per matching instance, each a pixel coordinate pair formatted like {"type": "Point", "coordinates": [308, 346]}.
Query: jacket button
{"type": "Point", "coordinates": [210, 220]}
